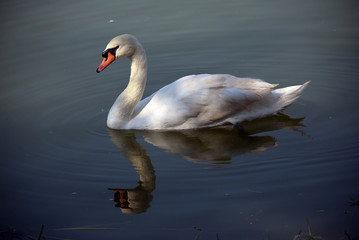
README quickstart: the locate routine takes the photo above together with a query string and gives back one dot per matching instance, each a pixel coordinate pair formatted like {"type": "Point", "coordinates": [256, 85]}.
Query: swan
{"type": "Point", "coordinates": [194, 101]}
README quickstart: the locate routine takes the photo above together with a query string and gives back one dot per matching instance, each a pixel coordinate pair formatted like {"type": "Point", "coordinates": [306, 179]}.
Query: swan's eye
{"type": "Point", "coordinates": [104, 54]}
{"type": "Point", "coordinates": [110, 50]}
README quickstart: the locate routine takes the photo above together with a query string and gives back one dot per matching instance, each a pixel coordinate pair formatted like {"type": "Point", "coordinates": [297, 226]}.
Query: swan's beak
{"type": "Point", "coordinates": [105, 62]}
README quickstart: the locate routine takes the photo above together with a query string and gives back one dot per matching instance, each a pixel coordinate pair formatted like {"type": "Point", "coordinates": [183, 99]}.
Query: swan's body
{"type": "Point", "coordinates": [194, 101]}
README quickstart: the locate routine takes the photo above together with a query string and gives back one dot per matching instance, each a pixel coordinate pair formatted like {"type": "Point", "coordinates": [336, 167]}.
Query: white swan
{"type": "Point", "coordinates": [194, 101]}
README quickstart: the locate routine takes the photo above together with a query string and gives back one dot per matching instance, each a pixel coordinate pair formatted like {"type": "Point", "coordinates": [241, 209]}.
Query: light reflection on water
{"type": "Point", "coordinates": [59, 160]}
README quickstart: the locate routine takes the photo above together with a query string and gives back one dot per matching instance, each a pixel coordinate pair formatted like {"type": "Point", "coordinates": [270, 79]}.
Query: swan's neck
{"type": "Point", "coordinates": [122, 110]}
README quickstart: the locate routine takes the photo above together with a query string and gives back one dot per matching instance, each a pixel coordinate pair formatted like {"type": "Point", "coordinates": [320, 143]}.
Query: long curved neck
{"type": "Point", "coordinates": [122, 110]}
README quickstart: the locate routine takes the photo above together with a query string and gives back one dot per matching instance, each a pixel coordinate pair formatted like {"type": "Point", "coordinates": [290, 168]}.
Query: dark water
{"type": "Point", "coordinates": [60, 166]}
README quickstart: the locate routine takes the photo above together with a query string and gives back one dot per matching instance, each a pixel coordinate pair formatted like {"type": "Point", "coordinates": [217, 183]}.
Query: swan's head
{"type": "Point", "coordinates": [121, 46]}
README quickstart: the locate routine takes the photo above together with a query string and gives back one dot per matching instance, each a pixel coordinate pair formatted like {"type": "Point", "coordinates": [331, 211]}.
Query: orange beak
{"type": "Point", "coordinates": [105, 62]}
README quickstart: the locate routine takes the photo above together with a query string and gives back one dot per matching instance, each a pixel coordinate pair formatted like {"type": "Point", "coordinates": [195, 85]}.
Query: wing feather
{"type": "Point", "coordinates": [201, 100]}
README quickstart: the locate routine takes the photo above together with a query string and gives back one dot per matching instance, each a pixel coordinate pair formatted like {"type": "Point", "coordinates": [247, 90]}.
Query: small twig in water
{"type": "Point", "coordinates": [41, 231]}
{"type": "Point", "coordinates": [348, 236]}
{"type": "Point", "coordinates": [309, 230]}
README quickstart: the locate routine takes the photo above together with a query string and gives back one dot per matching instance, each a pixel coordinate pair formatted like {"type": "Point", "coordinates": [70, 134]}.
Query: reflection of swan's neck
{"type": "Point", "coordinates": [134, 152]}
{"type": "Point", "coordinates": [122, 110]}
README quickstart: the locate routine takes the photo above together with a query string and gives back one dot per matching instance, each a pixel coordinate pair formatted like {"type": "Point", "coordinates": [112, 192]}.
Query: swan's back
{"type": "Point", "coordinates": [205, 100]}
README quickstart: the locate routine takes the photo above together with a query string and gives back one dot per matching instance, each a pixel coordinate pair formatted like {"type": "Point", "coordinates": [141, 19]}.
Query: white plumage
{"type": "Point", "coordinates": [194, 101]}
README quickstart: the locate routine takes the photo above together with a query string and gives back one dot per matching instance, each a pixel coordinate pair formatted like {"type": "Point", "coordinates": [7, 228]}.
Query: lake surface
{"type": "Point", "coordinates": [60, 166]}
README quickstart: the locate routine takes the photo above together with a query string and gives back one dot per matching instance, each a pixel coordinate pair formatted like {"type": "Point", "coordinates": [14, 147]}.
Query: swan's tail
{"type": "Point", "coordinates": [288, 95]}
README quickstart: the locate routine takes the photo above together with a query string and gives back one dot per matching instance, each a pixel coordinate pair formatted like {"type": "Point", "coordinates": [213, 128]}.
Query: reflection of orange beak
{"type": "Point", "coordinates": [106, 61]}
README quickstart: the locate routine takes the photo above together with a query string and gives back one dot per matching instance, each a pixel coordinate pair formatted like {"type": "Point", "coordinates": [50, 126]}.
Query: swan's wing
{"type": "Point", "coordinates": [200, 101]}
{"type": "Point", "coordinates": [222, 103]}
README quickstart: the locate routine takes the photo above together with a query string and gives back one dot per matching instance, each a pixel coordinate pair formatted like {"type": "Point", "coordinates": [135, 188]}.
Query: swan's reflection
{"type": "Point", "coordinates": [135, 200]}
{"type": "Point", "coordinates": [211, 146]}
